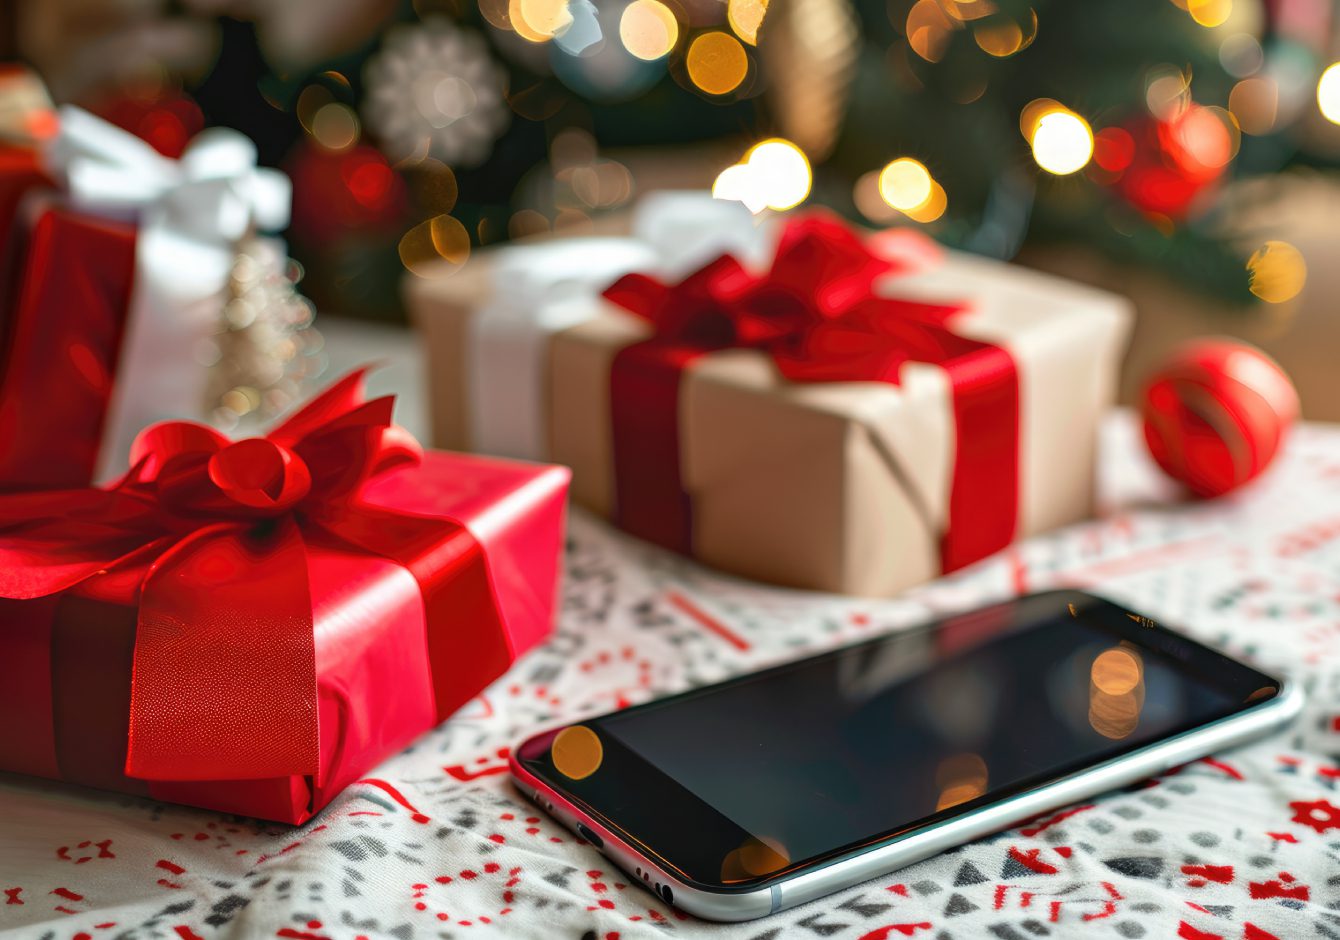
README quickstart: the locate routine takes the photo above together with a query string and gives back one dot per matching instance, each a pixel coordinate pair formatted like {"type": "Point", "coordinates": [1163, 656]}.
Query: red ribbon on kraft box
{"type": "Point", "coordinates": [815, 312]}
{"type": "Point", "coordinates": [251, 625]}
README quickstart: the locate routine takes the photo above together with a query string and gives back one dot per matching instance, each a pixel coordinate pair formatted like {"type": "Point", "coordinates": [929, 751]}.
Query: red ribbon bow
{"type": "Point", "coordinates": [224, 682]}
{"type": "Point", "coordinates": [816, 314]}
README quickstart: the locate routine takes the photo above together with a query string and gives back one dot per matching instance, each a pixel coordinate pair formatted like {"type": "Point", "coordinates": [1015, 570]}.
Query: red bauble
{"type": "Point", "coordinates": [336, 193]}
{"type": "Point", "coordinates": [1169, 163]}
{"type": "Point", "coordinates": [1216, 414]}
{"type": "Point", "coordinates": [166, 119]}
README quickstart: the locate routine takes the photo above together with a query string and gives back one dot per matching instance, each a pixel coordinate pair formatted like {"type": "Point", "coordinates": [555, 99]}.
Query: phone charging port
{"type": "Point", "coordinates": [585, 832]}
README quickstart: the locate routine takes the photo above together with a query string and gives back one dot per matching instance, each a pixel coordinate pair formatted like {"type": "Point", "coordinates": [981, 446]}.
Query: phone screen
{"type": "Point", "coordinates": [817, 757]}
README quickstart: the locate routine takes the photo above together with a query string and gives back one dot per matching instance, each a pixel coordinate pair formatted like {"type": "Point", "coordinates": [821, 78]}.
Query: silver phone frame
{"type": "Point", "coordinates": [901, 851]}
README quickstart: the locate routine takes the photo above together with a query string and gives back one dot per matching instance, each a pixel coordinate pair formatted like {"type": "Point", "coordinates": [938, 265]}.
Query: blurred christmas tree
{"type": "Point", "coordinates": [1103, 122]}
{"type": "Point", "coordinates": [414, 131]}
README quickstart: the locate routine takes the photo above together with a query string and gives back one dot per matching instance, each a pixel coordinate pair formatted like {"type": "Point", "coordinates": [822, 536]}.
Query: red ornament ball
{"type": "Point", "coordinates": [1216, 414]}
{"type": "Point", "coordinates": [339, 193]}
{"type": "Point", "coordinates": [1166, 165]}
{"type": "Point", "coordinates": [166, 119]}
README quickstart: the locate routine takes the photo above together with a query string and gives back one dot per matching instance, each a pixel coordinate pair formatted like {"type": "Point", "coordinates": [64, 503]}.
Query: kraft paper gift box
{"type": "Point", "coordinates": [980, 425]}
{"type": "Point", "coordinates": [252, 626]}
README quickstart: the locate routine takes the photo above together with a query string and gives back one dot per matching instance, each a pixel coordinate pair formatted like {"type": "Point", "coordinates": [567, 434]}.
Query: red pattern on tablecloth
{"type": "Point", "coordinates": [435, 843]}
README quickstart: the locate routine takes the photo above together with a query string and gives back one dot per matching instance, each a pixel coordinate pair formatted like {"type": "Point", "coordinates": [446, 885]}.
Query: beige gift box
{"type": "Point", "coordinates": [840, 486]}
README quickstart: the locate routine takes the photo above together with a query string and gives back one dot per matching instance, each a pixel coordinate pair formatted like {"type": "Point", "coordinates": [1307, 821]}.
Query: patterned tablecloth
{"type": "Point", "coordinates": [436, 844]}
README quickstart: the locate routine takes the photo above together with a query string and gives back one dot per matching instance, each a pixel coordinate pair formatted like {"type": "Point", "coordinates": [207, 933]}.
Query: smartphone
{"type": "Point", "coordinates": [740, 799]}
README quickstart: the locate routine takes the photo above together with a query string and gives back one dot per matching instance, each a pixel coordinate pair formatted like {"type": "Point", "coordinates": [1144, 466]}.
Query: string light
{"type": "Point", "coordinates": [1033, 112]}
{"type": "Point", "coordinates": [717, 63]}
{"type": "Point", "coordinates": [1062, 142]}
{"type": "Point", "coordinates": [745, 17]}
{"type": "Point", "coordinates": [1001, 36]}
{"type": "Point", "coordinates": [1210, 12]}
{"type": "Point", "coordinates": [310, 100]}
{"type": "Point", "coordinates": [517, 20]}
{"type": "Point", "coordinates": [934, 206]}
{"type": "Point", "coordinates": [905, 184]}
{"type": "Point", "coordinates": [648, 29]}
{"type": "Point", "coordinates": [774, 174]}
{"type": "Point", "coordinates": [335, 126]}
{"type": "Point", "coordinates": [1277, 271]}
{"type": "Point", "coordinates": [541, 18]}
{"type": "Point", "coordinates": [1328, 93]}
{"type": "Point", "coordinates": [928, 30]}
{"type": "Point", "coordinates": [439, 239]}
{"type": "Point", "coordinates": [965, 11]}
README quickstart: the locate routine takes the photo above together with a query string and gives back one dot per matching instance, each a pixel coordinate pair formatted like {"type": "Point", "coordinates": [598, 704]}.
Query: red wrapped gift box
{"type": "Point", "coordinates": [113, 260]}
{"type": "Point", "coordinates": [65, 286]}
{"type": "Point", "coordinates": [250, 627]}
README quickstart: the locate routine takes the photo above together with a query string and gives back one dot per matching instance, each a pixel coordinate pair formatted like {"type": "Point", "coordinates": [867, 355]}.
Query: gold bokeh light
{"type": "Point", "coordinates": [774, 174]}
{"type": "Point", "coordinates": [1117, 671]}
{"type": "Point", "coordinates": [1115, 716]}
{"type": "Point", "coordinates": [1328, 93]}
{"type": "Point", "coordinates": [960, 778]}
{"type": "Point", "coordinates": [335, 126]}
{"type": "Point", "coordinates": [1116, 692]}
{"type": "Point", "coordinates": [965, 11]}
{"type": "Point", "coordinates": [1210, 12]}
{"type": "Point", "coordinates": [746, 17]}
{"type": "Point", "coordinates": [932, 208]}
{"type": "Point", "coordinates": [1062, 142]}
{"type": "Point", "coordinates": [425, 247]}
{"type": "Point", "coordinates": [577, 752]}
{"type": "Point", "coordinates": [905, 184]}
{"type": "Point", "coordinates": [648, 29]}
{"type": "Point", "coordinates": [1001, 36]}
{"type": "Point", "coordinates": [929, 30]}
{"type": "Point", "coordinates": [1277, 271]}
{"type": "Point", "coordinates": [757, 856]}
{"type": "Point", "coordinates": [543, 18]}
{"type": "Point", "coordinates": [716, 63]}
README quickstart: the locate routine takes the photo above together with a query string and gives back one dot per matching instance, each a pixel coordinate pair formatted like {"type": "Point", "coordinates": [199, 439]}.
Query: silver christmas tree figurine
{"type": "Point", "coordinates": [266, 350]}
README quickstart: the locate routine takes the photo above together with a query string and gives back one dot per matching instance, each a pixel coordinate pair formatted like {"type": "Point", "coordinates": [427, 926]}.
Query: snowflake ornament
{"type": "Point", "coordinates": [435, 91]}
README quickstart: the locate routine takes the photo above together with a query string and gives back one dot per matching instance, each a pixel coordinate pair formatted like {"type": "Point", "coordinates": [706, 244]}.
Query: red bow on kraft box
{"type": "Point", "coordinates": [251, 625]}
{"type": "Point", "coordinates": [816, 314]}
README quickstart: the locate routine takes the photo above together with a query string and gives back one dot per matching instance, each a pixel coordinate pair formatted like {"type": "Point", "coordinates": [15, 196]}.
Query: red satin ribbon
{"type": "Point", "coordinates": [816, 314]}
{"type": "Point", "coordinates": [224, 676]}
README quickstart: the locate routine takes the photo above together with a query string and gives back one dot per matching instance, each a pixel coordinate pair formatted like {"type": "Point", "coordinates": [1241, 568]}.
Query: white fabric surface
{"type": "Point", "coordinates": [1241, 847]}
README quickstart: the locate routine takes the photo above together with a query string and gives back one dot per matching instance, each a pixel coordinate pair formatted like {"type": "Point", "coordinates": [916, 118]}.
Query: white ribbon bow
{"type": "Point", "coordinates": [191, 214]}
{"type": "Point", "coordinates": [215, 192]}
{"type": "Point", "coordinates": [541, 289]}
